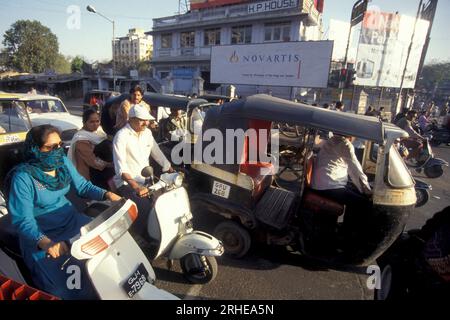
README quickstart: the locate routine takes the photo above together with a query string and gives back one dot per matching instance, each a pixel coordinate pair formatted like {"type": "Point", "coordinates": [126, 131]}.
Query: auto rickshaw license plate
{"type": "Point", "coordinates": [136, 281]}
{"type": "Point", "coordinates": [221, 190]}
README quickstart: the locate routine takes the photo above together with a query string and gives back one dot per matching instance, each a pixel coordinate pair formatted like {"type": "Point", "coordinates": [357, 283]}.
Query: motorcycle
{"type": "Point", "coordinates": [417, 264]}
{"type": "Point", "coordinates": [438, 135]}
{"type": "Point", "coordinates": [116, 266]}
{"type": "Point", "coordinates": [170, 230]}
{"type": "Point", "coordinates": [431, 166]}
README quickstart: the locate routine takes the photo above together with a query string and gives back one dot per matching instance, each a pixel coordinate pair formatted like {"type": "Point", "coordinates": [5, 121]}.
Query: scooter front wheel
{"type": "Point", "coordinates": [422, 196]}
{"type": "Point", "coordinates": [199, 269]}
{"type": "Point", "coordinates": [434, 172]}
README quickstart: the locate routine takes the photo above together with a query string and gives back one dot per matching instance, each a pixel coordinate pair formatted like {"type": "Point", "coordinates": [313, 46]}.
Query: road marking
{"type": "Point", "coordinates": [193, 292]}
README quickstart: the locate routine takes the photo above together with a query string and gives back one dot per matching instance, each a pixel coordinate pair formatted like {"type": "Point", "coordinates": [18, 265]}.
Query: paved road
{"type": "Point", "coordinates": [268, 274]}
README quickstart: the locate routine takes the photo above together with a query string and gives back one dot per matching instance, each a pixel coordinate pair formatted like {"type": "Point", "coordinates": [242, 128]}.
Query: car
{"type": "Point", "coordinates": [18, 110]}
{"type": "Point", "coordinates": [97, 98]}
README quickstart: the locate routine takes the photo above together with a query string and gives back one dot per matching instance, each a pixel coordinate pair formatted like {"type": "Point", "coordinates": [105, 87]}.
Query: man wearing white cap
{"type": "Point", "coordinates": [133, 146]}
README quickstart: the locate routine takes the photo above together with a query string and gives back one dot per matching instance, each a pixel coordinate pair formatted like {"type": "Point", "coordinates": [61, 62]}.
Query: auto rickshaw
{"type": "Point", "coordinates": [95, 99]}
{"type": "Point", "coordinates": [250, 208]}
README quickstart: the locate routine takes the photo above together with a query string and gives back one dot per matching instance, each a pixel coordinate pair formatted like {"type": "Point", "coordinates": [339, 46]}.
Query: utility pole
{"type": "Point", "coordinates": [359, 8]}
{"type": "Point", "coordinates": [428, 13]}
{"type": "Point", "coordinates": [400, 101]}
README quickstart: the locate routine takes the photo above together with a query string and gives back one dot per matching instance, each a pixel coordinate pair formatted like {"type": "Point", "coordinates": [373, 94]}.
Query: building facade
{"type": "Point", "coordinates": [182, 43]}
{"type": "Point", "coordinates": [136, 46]}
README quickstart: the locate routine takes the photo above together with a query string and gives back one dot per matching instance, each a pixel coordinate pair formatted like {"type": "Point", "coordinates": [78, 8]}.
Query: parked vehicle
{"type": "Point", "coordinates": [170, 227]}
{"type": "Point", "coordinates": [417, 264]}
{"type": "Point", "coordinates": [252, 209]}
{"type": "Point", "coordinates": [22, 109]}
{"type": "Point", "coordinates": [431, 166]}
{"type": "Point", "coordinates": [96, 99]}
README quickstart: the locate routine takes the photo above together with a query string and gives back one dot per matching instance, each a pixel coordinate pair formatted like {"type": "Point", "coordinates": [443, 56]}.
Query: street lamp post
{"type": "Point", "coordinates": [92, 9]}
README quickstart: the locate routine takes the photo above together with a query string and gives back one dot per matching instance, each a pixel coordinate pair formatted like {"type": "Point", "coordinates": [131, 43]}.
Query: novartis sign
{"type": "Point", "coordinates": [271, 5]}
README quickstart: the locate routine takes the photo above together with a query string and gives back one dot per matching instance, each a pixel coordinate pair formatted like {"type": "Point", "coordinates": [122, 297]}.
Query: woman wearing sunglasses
{"type": "Point", "coordinates": [43, 217]}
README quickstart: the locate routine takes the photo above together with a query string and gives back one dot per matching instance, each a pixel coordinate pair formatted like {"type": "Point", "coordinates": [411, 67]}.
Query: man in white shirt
{"type": "Point", "coordinates": [335, 162]}
{"type": "Point", "coordinates": [132, 147]}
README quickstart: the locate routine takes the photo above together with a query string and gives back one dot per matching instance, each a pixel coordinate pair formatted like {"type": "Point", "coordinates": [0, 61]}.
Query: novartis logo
{"type": "Point", "coordinates": [234, 58]}
{"type": "Point", "coordinates": [262, 58]}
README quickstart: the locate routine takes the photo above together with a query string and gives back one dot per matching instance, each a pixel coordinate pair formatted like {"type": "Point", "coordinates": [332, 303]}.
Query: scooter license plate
{"type": "Point", "coordinates": [136, 281]}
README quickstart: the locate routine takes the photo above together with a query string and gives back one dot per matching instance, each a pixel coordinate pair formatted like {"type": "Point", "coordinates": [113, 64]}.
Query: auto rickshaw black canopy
{"type": "Point", "coordinates": [268, 108]}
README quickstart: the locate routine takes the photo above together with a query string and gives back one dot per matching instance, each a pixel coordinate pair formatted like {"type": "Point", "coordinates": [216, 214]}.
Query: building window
{"type": "Point", "coordinates": [212, 37]}
{"type": "Point", "coordinates": [166, 41]}
{"type": "Point", "coordinates": [276, 32]}
{"type": "Point", "coordinates": [241, 34]}
{"type": "Point", "coordinates": [187, 39]}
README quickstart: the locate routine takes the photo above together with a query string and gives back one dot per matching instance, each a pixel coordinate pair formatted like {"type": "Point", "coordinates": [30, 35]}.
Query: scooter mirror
{"type": "Point", "coordinates": [147, 172]}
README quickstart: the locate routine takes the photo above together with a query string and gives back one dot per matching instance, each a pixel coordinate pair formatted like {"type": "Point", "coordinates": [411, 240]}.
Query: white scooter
{"type": "Point", "coordinates": [170, 226]}
{"type": "Point", "coordinates": [116, 266]}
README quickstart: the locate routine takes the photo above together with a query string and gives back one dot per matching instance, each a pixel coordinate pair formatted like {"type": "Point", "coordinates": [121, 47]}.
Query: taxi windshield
{"type": "Point", "coordinates": [44, 106]}
{"type": "Point", "coordinates": [13, 117]}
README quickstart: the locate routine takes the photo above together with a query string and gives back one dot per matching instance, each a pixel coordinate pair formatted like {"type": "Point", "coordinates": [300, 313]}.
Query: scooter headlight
{"type": "Point", "coordinates": [178, 180]}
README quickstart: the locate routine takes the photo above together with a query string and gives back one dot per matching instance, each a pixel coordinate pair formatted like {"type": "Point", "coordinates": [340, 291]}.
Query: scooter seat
{"type": "Point", "coordinates": [8, 236]}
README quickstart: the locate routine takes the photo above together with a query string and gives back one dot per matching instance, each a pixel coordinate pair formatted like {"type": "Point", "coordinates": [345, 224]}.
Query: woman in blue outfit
{"type": "Point", "coordinates": [44, 219]}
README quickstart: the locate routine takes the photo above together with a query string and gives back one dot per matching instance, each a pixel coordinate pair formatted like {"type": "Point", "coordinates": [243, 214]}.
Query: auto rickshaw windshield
{"type": "Point", "coordinates": [398, 174]}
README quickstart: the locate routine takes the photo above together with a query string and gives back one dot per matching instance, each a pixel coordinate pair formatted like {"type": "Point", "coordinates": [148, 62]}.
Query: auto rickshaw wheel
{"type": "Point", "coordinates": [434, 172]}
{"type": "Point", "coordinates": [236, 240]}
{"type": "Point", "coordinates": [391, 283]}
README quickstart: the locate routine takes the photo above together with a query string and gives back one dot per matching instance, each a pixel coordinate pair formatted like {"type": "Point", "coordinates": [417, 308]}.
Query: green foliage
{"type": "Point", "coordinates": [30, 47]}
{"type": "Point", "coordinates": [77, 64]}
{"type": "Point", "coordinates": [434, 74]}
{"type": "Point", "coordinates": [62, 65]}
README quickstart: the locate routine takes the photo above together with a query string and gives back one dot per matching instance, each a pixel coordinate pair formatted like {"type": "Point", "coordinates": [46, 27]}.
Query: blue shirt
{"type": "Point", "coordinates": [36, 211]}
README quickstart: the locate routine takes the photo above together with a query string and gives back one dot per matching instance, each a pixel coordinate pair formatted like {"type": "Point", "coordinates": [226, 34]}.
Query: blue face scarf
{"type": "Point", "coordinates": [37, 163]}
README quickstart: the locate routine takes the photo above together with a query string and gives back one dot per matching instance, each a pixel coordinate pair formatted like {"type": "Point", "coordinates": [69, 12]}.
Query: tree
{"type": "Point", "coordinates": [433, 75]}
{"type": "Point", "coordinates": [62, 65]}
{"type": "Point", "coordinates": [30, 47]}
{"type": "Point", "coordinates": [77, 64]}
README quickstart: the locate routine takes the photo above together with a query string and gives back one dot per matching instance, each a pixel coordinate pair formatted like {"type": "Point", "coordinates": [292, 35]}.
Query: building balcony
{"type": "Point", "coordinates": [230, 14]}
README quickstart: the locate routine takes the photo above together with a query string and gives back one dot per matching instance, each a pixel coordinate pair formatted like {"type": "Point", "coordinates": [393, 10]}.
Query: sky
{"type": "Point", "coordinates": [90, 35]}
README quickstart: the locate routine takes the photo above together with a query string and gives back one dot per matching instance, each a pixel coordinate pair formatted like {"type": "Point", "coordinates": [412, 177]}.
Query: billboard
{"type": "Point", "coordinates": [383, 50]}
{"type": "Point", "coordinates": [303, 64]}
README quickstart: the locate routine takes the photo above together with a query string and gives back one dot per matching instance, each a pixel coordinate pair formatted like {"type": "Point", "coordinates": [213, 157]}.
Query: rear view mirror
{"type": "Point", "coordinates": [147, 172]}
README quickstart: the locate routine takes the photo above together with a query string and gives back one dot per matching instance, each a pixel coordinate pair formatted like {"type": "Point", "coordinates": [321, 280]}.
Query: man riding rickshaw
{"type": "Point", "coordinates": [251, 208]}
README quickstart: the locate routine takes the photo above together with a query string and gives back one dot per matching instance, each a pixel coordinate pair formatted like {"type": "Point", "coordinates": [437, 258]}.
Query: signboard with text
{"type": "Point", "coordinates": [383, 50]}
{"type": "Point", "coordinates": [290, 64]}
{"type": "Point", "coordinates": [271, 5]}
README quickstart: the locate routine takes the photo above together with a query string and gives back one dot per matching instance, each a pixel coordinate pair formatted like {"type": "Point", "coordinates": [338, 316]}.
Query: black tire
{"type": "Point", "coordinates": [422, 196]}
{"type": "Point", "coordinates": [434, 172]}
{"type": "Point", "coordinates": [391, 286]}
{"type": "Point", "coordinates": [236, 240]}
{"type": "Point", "coordinates": [199, 269]}
{"type": "Point", "coordinates": [435, 143]}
